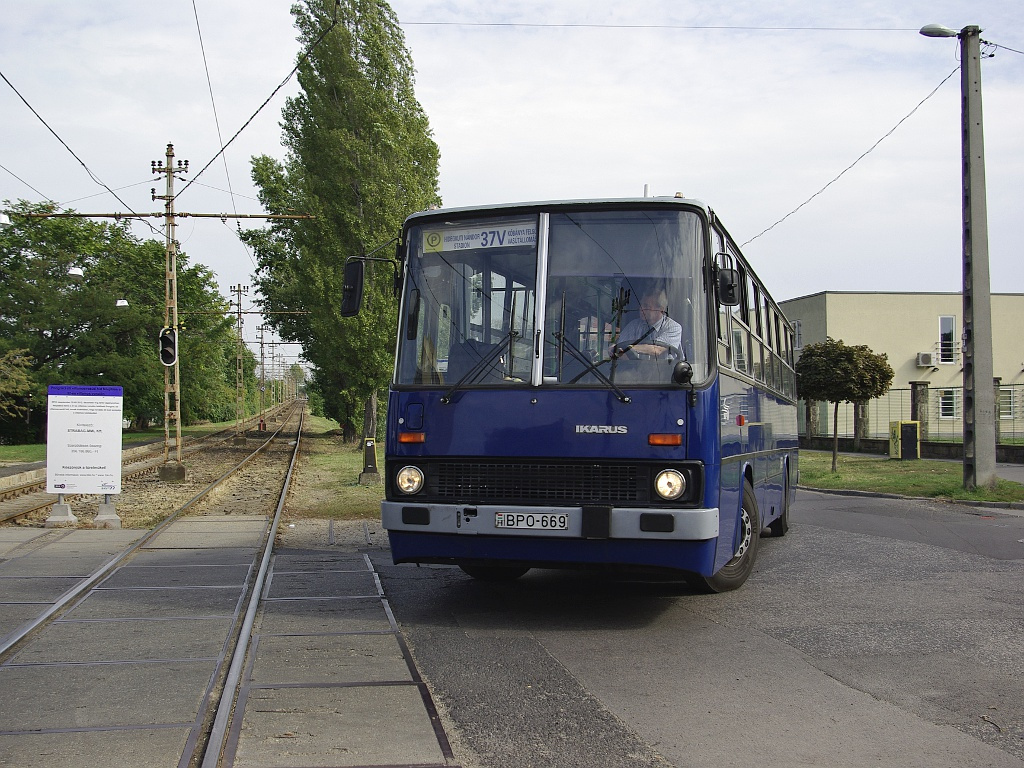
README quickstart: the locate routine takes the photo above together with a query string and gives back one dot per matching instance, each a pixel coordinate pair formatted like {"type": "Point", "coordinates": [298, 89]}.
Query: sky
{"type": "Point", "coordinates": [751, 107]}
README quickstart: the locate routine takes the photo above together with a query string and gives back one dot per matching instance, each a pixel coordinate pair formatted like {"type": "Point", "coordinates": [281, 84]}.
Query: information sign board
{"type": "Point", "coordinates": [83, 439]}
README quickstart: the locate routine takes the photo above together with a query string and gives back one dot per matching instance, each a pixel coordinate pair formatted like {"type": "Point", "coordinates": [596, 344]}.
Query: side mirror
{"type": "Point", "coordinates": [728, 287]}
{"type": "Point", "coordinates": [682, 373]}
{"type": "Point", "coordinates": [352, 289]}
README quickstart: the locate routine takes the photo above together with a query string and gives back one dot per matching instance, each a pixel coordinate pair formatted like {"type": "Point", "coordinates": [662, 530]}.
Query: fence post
{"type": "Point", "coordinates": [996, 382]}
{"type": "Point", "coordinates": [919, 406]}
{"type": "Point", "coordinates": [861, 424]}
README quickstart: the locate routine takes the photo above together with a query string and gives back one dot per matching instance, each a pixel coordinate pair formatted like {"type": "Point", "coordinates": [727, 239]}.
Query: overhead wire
{"type": "Point", "coordinates": [81, 162]}
{"type": "Point", "coordinates": [45, 197]}
{"type": "Point", "coordinates": [579, 25]}
{"type": "Point", "coordinates": [216, 120]}
{"type": "Point", "coordinates": [305, 55]}
{"type": "Point", "coordinates": [851, 165]}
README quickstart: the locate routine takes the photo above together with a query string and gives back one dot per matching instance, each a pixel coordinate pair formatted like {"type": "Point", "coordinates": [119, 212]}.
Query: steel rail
{"type": "Point", "coordinates": [218, 734]}
{"type": "Point", "coordinates": [148, 461]}
{"type": "Point", "coordinates": [70, 598]}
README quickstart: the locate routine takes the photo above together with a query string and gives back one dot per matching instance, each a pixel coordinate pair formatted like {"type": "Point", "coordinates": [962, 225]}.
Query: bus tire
{"type": "Point", "coordinates": [494, 572]}
{"type": "Point", "coordinates": [779, 526]}
{"type": "Point", "coordinates": [735, 572]}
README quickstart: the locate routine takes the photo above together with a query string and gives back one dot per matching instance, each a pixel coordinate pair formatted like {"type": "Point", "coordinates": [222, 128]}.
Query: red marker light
{"type": "Point", "coordinates": [741, 420]}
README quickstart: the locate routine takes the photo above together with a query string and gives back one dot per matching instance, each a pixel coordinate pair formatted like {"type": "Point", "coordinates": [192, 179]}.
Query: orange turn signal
{"type": "Point", "coordinates": [741, 421]}
{"type": "Point", "coordinates": [656, 438]}
{"type": "Point", "coordinates": [412, 437]}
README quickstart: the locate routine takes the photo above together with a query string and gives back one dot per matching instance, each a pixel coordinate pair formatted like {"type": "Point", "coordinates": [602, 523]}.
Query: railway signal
{"type": "Point", "coordinates": [168, 346]}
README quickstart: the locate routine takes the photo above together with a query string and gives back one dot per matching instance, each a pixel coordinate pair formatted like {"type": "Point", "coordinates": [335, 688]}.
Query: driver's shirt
{"type": "Point", "coordinates": [666, 331]}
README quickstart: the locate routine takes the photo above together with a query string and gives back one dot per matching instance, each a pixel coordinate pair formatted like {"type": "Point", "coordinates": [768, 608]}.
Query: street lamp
{"type": "Point", "coordinates": [979, 389]}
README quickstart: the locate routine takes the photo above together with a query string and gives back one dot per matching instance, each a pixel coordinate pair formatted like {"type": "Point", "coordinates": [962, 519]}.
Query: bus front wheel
{"type": "Point", "coordinates": [494, 572]}
{"type": "Point", "coordinates": [735, 572]}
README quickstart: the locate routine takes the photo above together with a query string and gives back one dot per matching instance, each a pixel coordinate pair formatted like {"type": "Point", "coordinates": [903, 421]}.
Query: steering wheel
{"type": "Point", "coordinates": [632, 354]}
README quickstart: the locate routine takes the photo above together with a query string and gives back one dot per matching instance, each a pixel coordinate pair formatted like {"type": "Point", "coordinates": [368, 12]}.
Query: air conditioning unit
{"type": "Point", "coordinates": [924, 359]}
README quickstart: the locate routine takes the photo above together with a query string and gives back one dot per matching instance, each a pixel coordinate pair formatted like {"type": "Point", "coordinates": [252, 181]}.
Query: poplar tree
{"type": "Point", "coordinates": [360, 157]}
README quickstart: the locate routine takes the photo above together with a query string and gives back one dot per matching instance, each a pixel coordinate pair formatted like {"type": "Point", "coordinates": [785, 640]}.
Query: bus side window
{"type": "Point", "coordinates": [739, 312]}
{"type": "Point", "coordinates": [724, 346]}
{"type": "Point", "coordinates": [753, 304]}
{"type": "Point", "coordinates": [740, 348]}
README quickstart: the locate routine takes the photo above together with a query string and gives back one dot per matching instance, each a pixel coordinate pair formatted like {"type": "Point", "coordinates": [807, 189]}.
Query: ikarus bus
{"type": "Point", "coordinates": [585, 384]}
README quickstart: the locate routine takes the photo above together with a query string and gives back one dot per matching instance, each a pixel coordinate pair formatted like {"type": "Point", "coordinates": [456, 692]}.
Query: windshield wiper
{"type": "Point", "coordinates": [590, 367]}
{"type": "Point", "coordinates": [474, 373]}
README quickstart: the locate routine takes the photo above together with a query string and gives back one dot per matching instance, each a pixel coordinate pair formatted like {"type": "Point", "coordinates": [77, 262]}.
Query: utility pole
{"type": "Point", "coordinates": [263, 378]}
{"type": "Point", "coordinates": [171, 471]}
{"type": "Point", "coordinates": [979, 393]}
{"type": "Point", "coordinates": [979, 405]}
{"type": "Point", "coordinates": [238, 290]}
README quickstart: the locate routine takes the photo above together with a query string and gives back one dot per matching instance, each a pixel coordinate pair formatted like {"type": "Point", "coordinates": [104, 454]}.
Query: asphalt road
{"type": "Point", "coordinates": [877, 632]}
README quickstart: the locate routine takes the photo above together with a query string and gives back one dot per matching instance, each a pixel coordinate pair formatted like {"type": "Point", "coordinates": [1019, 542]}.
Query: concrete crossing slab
{"type": "Point", "coordinates": [351, 726]}
{"type": "Point", "coordinates": [79, 696]}
{"type": "Point", "coordinates": [329, 659]}
{"type": "Point", "coordinates": [323, 616]}
{"type": "Point", "coordinates": [153, 603]}
{"type": "Point", "coordinates": [142, 748]}
{"type": "Point", "coordinates": [131, 640]}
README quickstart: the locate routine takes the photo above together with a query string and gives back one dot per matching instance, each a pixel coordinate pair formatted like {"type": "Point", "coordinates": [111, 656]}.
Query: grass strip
{"type": "Point", "coordinates": [879, 474]}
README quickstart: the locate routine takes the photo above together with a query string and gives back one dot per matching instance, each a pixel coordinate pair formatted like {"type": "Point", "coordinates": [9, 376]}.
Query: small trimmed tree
{"type": "Point", "coordinates": [833, 372]}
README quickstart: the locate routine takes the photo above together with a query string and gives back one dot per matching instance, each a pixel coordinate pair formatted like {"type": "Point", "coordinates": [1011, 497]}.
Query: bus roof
{"type": "Point", "coordinates": [632, 202]}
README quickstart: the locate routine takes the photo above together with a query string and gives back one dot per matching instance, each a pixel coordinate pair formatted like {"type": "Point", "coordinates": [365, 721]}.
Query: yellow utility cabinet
{"type": "Point", "coordinates": [904, 440]}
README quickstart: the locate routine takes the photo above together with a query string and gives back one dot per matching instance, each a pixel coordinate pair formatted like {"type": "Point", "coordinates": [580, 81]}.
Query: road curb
{"type": "Point", "coordinates": [871, 494]}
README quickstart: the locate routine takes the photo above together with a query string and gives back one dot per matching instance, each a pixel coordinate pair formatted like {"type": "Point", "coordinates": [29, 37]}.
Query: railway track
{"type": "Point", "coordinates": [197, 644]}
{"type": "Point", "coordinates": [28, 498]}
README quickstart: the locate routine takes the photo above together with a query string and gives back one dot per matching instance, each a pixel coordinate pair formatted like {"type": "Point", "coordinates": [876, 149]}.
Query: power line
{"type": "Point", "coordinates": [727, 27]}
{"type": "Point", "coordinates": [302, 59]}
{"type": "Point", "coordinates": [216, 120]}
{"type": "Point", "coordinates": [24, 182]}
{"type": "Point", "coordinates": [851, 165]}
{"type": "Point", "coordinates": [81, 162]}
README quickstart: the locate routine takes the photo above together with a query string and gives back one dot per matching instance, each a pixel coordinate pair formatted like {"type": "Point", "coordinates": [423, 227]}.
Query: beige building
{"type": "Point", "coordinates": [922, 336]}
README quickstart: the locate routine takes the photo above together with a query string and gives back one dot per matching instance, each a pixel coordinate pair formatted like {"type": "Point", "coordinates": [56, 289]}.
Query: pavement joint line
{"type": "Point", "coordinates": [325, 597]}
{"type": "Point", "coordinates": [357, 684]}
{"type": "Point", "coordinates": [354, 632]}
{"type": "Point", "coordinates": [108, 662]}
{"type": "Point", "coordinates": [99, 729]}
{"type": "Point", "coordinates": [204, 617]}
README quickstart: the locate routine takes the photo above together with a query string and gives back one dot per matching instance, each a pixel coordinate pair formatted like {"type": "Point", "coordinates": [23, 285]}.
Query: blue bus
{"type": "Point", "coordinates": [585, 384]}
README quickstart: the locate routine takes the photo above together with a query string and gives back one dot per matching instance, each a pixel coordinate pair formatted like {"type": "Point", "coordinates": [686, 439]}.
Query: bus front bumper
{"type": "Point", "coordinates": [590, 522]}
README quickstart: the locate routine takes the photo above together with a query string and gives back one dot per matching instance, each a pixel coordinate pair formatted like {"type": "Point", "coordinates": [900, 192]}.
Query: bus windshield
{"type": "Point", "coordinates": [616, 297]}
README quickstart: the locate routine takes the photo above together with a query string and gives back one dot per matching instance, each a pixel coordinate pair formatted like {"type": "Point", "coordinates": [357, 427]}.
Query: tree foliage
{"type": "Point", "coordinates": [359, 158]}
{"type": "Point", "coordinates": [836, 373]}
{"type": "Point", "coordinates": [55, 329]}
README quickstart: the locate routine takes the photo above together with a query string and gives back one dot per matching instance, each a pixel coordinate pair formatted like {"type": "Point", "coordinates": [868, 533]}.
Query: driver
{"type": "Point", "coordinates": [654, 332]}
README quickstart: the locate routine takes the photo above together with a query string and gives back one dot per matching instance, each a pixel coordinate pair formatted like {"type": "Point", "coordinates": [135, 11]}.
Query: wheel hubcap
{"type": "Point", "coordinates": [746, 536]}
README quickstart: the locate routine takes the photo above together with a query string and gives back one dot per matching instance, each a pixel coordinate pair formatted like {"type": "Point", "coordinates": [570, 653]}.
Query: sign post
{"type": "Point", "coordinates": [83, 448]}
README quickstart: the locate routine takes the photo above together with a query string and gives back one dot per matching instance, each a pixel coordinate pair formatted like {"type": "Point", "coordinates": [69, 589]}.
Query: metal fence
{"type": "Point", "coordinates": [943, 420]}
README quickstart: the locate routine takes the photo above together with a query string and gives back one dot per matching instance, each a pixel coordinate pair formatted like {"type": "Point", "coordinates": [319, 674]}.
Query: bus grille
{"type": "Point", "coordinates": [545, 483]}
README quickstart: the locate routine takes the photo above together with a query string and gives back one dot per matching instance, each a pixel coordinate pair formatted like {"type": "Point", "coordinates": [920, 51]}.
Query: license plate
{"type": "Point", "coordinates": [532, 521]}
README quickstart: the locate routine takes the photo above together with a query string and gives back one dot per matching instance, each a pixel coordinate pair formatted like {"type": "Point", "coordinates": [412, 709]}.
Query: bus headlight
{"type": "Point", "coordinates": [409, 480]}
{"type": "Point", "coordinates": [670, 484]}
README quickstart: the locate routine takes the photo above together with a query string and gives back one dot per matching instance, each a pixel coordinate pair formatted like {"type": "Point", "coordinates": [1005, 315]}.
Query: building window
{"type": "Point", "coordinates": [947, 339]}
{"type": "Point", "coordinates": [1005, 404]}
{"type": "Point", "coordinates": [798, 335]}
{"type": "Point", "coordinates": [949, 405]}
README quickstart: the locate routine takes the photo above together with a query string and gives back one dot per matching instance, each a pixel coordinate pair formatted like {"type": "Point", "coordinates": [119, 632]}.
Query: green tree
{"type": "Point", "coordinates": [99, 326]}
{"type": "Point", "coordinates": [360, 158]}
{"type": "Point", "coordinates": [14, 382]}
{"type": "Point", "coordinates": [837, 373]}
